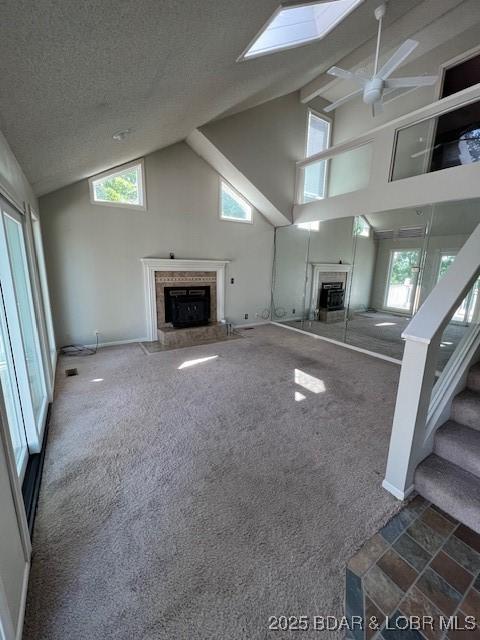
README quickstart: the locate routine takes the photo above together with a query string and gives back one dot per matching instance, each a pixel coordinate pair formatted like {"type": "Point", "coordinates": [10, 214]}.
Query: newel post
{"type": "Point", "coordinates": [417, 377]}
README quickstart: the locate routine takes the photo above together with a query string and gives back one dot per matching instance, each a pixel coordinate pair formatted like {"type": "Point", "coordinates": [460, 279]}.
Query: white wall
{"type": "Point", "coordinates": [93, 252]}
{"type": "Point", "coordinates": [264, 143]}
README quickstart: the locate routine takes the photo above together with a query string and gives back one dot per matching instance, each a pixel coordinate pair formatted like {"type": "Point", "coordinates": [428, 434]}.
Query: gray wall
{"type": "Point", "coordinates": [264, 143]}
{"type": "Point", "coordinates": [93, 252]}
{"type": "Point", "coordinates": [362, 277]}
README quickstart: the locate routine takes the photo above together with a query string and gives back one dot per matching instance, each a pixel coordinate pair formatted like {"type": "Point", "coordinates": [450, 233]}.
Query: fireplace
{"type": "Point", "coordinates": [187, 306]}
{"type": "Point", "coordinates": [332, 296]}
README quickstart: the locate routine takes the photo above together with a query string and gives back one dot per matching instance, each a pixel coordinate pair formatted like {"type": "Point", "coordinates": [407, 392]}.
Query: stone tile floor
{"type": "Point", "coordinates": [422, 563]}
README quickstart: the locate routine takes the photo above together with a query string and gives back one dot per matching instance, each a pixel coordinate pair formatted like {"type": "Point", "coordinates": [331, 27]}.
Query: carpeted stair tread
{"type": "Point", "coordinates": [473, 380]}
{"type": "Point", "coordinates": [466, 409]}
{"type": "Point", "coordinates": [451, 488]}
{"type": "Point", "coordinates": [460, 445]}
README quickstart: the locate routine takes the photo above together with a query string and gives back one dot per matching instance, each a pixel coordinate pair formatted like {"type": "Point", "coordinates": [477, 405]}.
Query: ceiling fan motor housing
{"type": "Point", "coordinates": [373, 90]}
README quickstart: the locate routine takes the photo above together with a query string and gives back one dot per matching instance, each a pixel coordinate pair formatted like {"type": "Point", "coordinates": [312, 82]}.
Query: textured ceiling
{"type": "Point", "coordinates": [74, 72]}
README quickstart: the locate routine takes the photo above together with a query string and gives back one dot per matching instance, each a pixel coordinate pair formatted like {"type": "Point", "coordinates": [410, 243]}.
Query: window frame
{"type": "Point", "coordinates": [399, 310]}
{"type": "Point", "coordinates": [369, 226]}
{"type": "Point", "coordinates": [290, 4]}
{"type": "Point", "coordinates": [112, 172]}
{"type": "Point", "coordinates": [329, 121]}
{"type": "Point", "coordinates": [236, 195]}
{"type": "Point", "coordinates": [453, 62]}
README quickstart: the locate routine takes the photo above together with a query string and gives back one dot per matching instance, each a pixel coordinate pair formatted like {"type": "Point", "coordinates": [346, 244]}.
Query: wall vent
{"type": "Point", "coordinates": [386, 234]}
{"type": "Point", "coordinates": [411, 232]}
{"type": "Point", "coordinates": [404, 232]}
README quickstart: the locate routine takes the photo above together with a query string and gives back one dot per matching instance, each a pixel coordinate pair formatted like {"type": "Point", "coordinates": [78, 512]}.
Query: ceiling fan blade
{"type": "Point", "coordinates": [415, 81]}
{"type": "Point", "coordinates": [346, 75]}
{"type": "Point", "coordinates": [401, 54]}
{"type": "Point", "coordinates": [343, 100]}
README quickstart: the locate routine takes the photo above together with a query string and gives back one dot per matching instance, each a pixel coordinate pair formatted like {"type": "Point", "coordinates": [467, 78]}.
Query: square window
{"type": "Point", "coordinates": [232, 206]}
{"type": "Point", "coordinates": [120, 187]}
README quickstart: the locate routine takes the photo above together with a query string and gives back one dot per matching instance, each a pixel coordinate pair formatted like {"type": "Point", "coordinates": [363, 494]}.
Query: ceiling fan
{"type": "Point", "coordinates": [375, 88]}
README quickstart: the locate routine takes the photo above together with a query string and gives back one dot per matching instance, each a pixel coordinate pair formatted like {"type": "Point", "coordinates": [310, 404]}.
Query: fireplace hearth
{"type": "Point", "coordinates": [187, 306]}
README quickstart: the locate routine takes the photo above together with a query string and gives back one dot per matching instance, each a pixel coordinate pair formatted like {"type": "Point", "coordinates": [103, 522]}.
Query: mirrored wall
{"type": "Point", "coordinates": [359, 280]}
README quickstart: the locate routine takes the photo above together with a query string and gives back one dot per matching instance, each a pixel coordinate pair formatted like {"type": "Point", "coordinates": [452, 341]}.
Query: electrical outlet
{"type": "Point", "coordinates": [246, 316]}
{"type": "Point", "coordinates": [232, 280]}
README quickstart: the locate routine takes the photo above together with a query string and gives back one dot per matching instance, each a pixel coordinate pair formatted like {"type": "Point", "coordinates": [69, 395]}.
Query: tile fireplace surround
{"type": "Point", "coordinates": [159, 273]}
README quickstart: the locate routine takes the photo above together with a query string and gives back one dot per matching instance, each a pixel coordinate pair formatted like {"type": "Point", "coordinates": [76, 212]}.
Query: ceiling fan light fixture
{"type": "Point", "coordinates": [121, 136]}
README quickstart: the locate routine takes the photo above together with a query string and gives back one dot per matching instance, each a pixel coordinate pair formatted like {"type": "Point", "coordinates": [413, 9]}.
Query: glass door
{"type": "Point", "coordinates": [11, 397]}
{"type": "Point", "coordinates": [19, 324]}
{"type": "Point", "coordinates": [469, 307]}
{"type": "Point", "coordinates": [402, 280]}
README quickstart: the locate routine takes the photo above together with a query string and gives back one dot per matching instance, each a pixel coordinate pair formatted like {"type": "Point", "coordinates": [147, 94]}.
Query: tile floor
{"type": "Point", "coordinates": [422, 563]}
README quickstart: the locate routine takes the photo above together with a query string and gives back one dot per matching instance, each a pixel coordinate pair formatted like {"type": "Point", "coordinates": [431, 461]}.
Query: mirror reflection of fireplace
{"type": "Point", "coordinates": [331, 301]}
{"type": "Point", "coordinates": [187, 306]}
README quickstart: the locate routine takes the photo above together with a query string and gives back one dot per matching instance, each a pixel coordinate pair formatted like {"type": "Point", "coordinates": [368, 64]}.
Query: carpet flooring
{"type": "Point", "coordinates": [379, 332]}
{"type": "Point", "coordinates": [193, 500]}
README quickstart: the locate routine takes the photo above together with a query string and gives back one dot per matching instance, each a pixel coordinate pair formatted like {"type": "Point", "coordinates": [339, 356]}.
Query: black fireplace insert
{"type": "Point", "coordinates": [187, 306]}
{"type": "Point", "coordinates": [332, 296]}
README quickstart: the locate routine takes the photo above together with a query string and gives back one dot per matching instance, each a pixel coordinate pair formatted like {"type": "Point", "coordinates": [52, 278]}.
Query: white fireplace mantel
{"type": "Point", "coordinates": [323, 267]}
{"type": "Point", "coordinates": [150, 265]}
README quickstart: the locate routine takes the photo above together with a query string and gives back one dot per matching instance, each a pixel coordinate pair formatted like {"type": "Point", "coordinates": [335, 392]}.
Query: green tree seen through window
{"type": "Point", "coordinates": [402, 264]}
{"type": "Point", "coordinates": [122, 187]}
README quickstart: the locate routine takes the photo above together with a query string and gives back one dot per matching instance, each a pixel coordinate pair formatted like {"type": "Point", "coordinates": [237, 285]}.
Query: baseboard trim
{"type": "Point", "coordinates": [23, 602]}
{"type": "Point", "coordinates": [250, 324]}
{"type": "Point", "coordinates": [352, 347]}
{"type": "Point", "coordinates": [33, 478]}
{"type": "Point", "coordinates": [116, 343]}
{"type": "Point", "coordinates": [397, 493]}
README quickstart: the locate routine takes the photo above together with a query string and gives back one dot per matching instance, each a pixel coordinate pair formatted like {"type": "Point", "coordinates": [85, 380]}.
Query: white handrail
{"type": "Point", "coordinates": [435, 313]}
{"type": "Point", "coordinates": [410, 442]}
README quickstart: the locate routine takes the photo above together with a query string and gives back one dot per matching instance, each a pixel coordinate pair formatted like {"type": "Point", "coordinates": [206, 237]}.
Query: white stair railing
{"type": "Point", "coordinates": [411, 438]}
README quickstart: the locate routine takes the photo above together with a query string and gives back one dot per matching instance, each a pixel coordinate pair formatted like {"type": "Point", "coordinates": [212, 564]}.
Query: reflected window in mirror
{"type": "Point", "coordinates": [318, 140]}
{"type": "Point", "coordinates": [361, 227]}
{"type": "Point", "coordinates": [310, 226]}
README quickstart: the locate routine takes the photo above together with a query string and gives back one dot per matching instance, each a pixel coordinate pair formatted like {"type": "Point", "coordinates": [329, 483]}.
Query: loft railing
{"type": "Point", "coordinates": [368, 171]}
{"type": "Point", "coordinates": [424, 399]}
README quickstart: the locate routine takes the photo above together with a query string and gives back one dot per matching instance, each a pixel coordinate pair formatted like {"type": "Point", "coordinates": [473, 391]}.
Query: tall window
{"type": "Point", "coordinates": [232, 206]}
{"type": "Point", "coordinates": [121, 187]}
{"type": "Point", "coordinates": [318, 139]}
{"type": "Point", "coordinates": [402, 279]}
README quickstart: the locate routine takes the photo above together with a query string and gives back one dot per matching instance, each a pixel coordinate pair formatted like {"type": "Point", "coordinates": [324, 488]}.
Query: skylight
{"type": "Point", "coordinates": [292, 26]}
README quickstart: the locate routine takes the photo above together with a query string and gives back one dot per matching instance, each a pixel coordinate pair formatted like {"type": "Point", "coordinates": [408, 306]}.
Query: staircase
{"type": "Point", "coordinates": [450, 477]}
